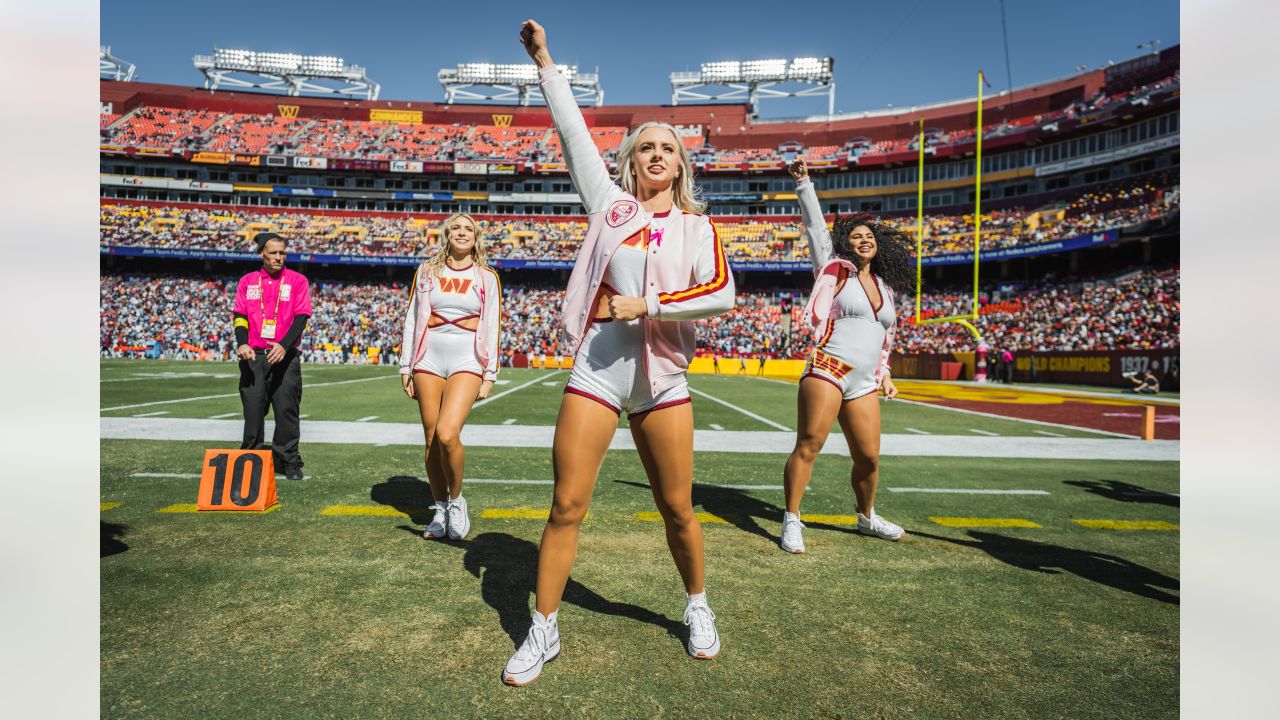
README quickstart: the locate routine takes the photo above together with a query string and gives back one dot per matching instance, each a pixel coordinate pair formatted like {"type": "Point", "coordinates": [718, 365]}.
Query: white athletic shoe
{"type": "Point", "coordinates": [878, 526]}
{"type": "Point", "coordinates": [792, 539]}
{"type": "Point", "coordinates": [704, 641]}
{"type": "Point", "coordinates": [541, 646]}
{"type": "Point", "coordinates": [459, 521]}
{"type": "Point", "coordinates": [436, 529]}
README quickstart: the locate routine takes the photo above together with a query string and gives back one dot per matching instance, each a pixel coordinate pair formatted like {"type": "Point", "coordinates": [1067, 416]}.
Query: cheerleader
{"type": "Point", "coordinates": [449, 359]}
{"type": "Point", "coordinates": [851, 310]}
{"type": "Point", "coordinates": [649, 265]}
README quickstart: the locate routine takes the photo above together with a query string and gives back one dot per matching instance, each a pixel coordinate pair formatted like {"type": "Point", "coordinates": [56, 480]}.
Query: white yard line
{"type": "Point", "coordinates": [748, 413]}
{"type": "Point", "coordinates": [715, 426]}
{"type": "Point", "coordinates": [152, 414]}
{"type": "Point", "coordinates": [731, 441]}
{"type": "Point", "coordinates": [509, 421]}
{"type": "Point", "coordinates": [1013, 419]}
{"type": "Point", "coordinates": [504, 393]}
{"type": "Point", "coordinates": [230, 395]}
{"type": "Point", "coordinates": [918, 432]}
{"type": "Point", "coordinates": [367, 418]}
{"type": "Point", "coordinates": [1046, 432]}
{"type": "Point", "coordinates": [967, 491]}
{"type": "Point", "coordinates": [222, 416]}
{"type": "Point", "coordinates": [984, 432]}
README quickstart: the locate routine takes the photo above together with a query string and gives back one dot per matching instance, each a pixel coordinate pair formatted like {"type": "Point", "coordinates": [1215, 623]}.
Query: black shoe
{"type": "Point", "coordinates": [294, 473]}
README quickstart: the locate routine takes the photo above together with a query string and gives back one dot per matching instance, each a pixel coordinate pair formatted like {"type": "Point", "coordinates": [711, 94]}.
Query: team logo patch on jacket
{"type": "Point", "coordinates": [620, 212]}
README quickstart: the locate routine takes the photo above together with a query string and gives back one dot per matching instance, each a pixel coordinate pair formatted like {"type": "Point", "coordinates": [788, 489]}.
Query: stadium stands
{"type": "Point", "coordinates": [214, 227]}
{"type": "Point", "coordinates": [190, 317]}
{"type": "Point", "coordinates": [152, 126]}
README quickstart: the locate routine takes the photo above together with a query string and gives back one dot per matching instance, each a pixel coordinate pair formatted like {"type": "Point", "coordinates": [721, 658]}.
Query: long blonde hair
{"type": "Point", "coordinates": [684, 193]}
{"type": "Point", "coordinates": [436, 263]}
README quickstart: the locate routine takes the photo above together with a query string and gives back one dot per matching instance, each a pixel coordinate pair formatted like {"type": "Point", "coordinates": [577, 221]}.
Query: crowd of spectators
{"type": "Point", "coordinates": [188, 129]}
{"type": "Point", "coordinates": [357, 321]}
{"type": "Point", "coordinates": [212, 227]}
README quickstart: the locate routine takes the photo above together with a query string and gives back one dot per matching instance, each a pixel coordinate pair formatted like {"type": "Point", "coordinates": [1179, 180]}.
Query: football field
{"type": "Point", "coordinates": [1039, 576]}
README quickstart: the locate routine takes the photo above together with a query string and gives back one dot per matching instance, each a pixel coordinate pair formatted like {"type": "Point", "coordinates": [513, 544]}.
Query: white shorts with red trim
{"type": "Point", "coordinates": [449, 351]}
{"type": "Point", "coordinates": [852, 382]}
{"type": "Point", "coordinates": [608, 370]}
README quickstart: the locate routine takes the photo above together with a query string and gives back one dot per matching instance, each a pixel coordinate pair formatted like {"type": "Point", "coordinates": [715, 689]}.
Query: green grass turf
{"type": "Point", "coordinates": [294, 614]}
{"type": "Point", "coordinates": [376, 393]}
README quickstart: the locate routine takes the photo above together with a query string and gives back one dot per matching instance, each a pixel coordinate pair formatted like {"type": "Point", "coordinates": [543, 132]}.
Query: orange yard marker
{"type": "Point", "coordinates": [237, 480]}
{"type": "Point", "coordinates": [1148, 422]}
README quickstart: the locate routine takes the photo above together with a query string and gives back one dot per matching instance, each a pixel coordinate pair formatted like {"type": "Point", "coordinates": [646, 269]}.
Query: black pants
{"type": "Point", "coordinates": [279, 385]}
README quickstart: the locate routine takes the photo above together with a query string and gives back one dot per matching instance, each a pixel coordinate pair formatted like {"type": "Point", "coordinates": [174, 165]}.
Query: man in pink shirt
{"type": "Point", "coordinates": [272, 308]}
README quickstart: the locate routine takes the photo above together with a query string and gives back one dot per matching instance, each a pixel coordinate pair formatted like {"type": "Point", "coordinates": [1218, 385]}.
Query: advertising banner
{"type": "Point", "coordinates": [437, 167]}
{"type": "Point", "coordinates": [305, 192]}
{"type": "Point", "coordinates": [237, 159]}
{"type": "Point", "coordinates": [502, 169]}
{"type": "Point", "coordinates": [422, 196]}
{"type": "Point", "coordinates": [111, 149]}
{"type": "Point", "coordinates": [1075, 243]}
{"type": "Point", "coordinates": [277, 161]}
{"type": "Point", "coordinates": [406, 166]}
{"type": "Point", "coordinates": [550, 167]}
{"type": "Point", "coordinates": [215, 158]}
{"type": "Point", "coordinates": [1104, 367]}
{"type": "Point", "coordinates": [311, 163]}
{"type": "Point", "coordinates": [358, 164]}
{"type": "Point", "coordinates": [395, 116]}
{"type": "Point", "coordinates": [153, 151]}
{"type": "Point", "coordinates": [470, 168]}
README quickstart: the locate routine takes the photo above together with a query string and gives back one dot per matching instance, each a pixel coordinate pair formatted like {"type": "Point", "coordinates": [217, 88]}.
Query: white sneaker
{"type": "Point", "coordinates": [704, 641]}
{"type": "Point", "coordinates": [459, 521]}
{"type": "Point", "coordinates": [792, 539]}
{"type": "Point", "coordinates": [878, 526]}
{"type": "Point", "coordinates": [436, 528]}
{"type": "Point", "coordinates": [541, 646]}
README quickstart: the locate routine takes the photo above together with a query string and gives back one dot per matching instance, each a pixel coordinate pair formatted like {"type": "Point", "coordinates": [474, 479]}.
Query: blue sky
{"type": "Point", "coordinates": [901, 53]}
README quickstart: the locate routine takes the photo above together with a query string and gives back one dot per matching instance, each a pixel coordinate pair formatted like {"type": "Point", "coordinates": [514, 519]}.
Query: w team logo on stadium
{"type": "Point", "coordinates": [501, 120]}
{"type": "Point", "coordinates": [620, 212]}
{"type": "Point", "coordinates": [287, 111]}
{"type": "Point", "coordinates": [456, 286]}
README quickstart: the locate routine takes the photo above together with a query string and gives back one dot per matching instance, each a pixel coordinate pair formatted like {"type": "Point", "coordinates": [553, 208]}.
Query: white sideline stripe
{"type": "Point", "coordinates": [967, 491]}
{"type": "Point", "coordinates": [732, 441]}
{"type": "Point", "coordinates": [368, 418]}
{"type": "Point", "coordinates": [715, 426]}
{"type": "Point", "coordinates": [1015, 419]}
{"type": "Point", "coordinates": [504, 393]}
{"type": "Point", "coordinates": [748, 413]}
{"type": "Point", "coordinates": [225, 415]}
{"type": "Point", "coordinates": [918, 432]}
{"type": "Point", "coordinates": [509, 421]}
{"type": "Point", "coordinates": [984, 432]}
{"type": "Point", "coordinates": [1046, 432]}
{"type": "Point", "coordinates": [1151, 494]}
{"type": "Point", "coordinates": [230, 395]}
{"type": "Point", "coordinates": [494, 481]}
{"type": "Point", "coordinates": [152, 414]}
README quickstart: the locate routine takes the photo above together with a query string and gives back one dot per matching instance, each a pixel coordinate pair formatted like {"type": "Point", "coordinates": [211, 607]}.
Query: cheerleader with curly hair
{"type": "Point", "coordinates": [856, 266]}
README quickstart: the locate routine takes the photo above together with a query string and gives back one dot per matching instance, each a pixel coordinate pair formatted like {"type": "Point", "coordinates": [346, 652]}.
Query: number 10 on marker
{"type": "Point", "coordinates": [237, 480]}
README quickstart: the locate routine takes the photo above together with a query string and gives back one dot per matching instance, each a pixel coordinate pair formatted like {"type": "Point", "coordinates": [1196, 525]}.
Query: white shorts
{"type": "Point", "coordinates": [449, 351]}
{"type": "Point", "coordinates": [608, 369]}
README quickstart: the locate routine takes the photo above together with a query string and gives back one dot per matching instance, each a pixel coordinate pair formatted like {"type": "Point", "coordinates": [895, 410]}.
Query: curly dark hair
{"type": "Point", "coordinates": [894, 261]}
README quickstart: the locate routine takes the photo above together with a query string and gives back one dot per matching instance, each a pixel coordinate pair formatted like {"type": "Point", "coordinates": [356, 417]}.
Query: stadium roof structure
{"type": "Point", "coordinates": [505, 83]}
{"type": "Point", "coordinates": [112, 67]}
{"type": "Point", "coordinates": [289, 72]}
{"type": "Point", "coordinates": [752, 80]}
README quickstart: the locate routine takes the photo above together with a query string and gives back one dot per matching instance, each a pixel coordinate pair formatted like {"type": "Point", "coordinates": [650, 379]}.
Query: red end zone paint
{"type": "Point", "coordinates": [1123, 414]}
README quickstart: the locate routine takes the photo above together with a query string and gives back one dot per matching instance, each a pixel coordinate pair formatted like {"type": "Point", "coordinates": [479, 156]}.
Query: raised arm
{"type": "Point", "coordinates": [586, 167]}
{"type": "Point", "coordinates": [815, 225]}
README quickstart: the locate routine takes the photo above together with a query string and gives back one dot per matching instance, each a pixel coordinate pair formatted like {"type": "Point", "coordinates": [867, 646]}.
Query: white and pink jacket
{"type": "Point", "coordinates": [413, 344]}
{"type": "Point", "coordinates": [687, 276]}
{"type": "Point", "coordinates": [828, 269]}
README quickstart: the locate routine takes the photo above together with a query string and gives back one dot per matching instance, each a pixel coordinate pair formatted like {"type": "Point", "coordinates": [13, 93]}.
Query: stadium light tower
{"type": "Point", "coordinates": [112, 67]}
{"type": "Point", "coordinates": [293, 73]}
{"type": "Point", "coordinates": [753, 80]}
{"type": "Point", "coordinates": [512, 83]}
